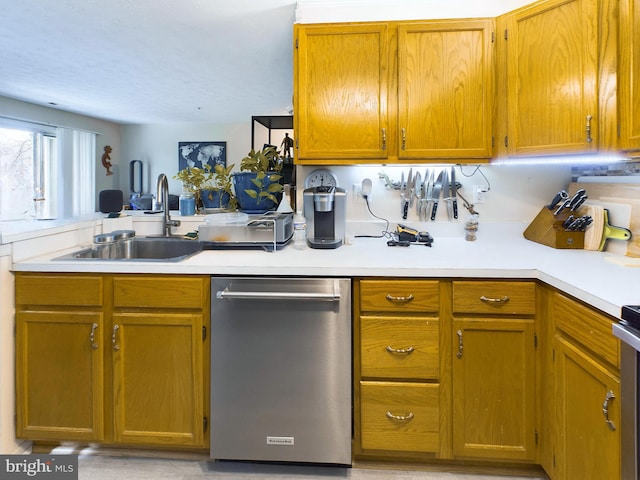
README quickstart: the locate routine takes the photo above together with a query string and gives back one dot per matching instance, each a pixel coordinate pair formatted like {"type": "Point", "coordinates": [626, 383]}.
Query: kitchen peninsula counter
{"type": "Point", "coordinates": [500, 251]}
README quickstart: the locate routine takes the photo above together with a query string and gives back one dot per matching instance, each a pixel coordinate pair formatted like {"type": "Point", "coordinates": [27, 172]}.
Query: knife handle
{"type": "Point", "coordinates": [455, 209]}
{"type": "Point", "coordinates": [434, 211]}
{"type": "Point", "coordinates": [405, 209]}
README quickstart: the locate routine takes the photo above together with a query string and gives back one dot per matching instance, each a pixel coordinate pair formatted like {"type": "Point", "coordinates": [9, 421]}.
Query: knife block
{"type": "Point", "coordinates": [547, 230]}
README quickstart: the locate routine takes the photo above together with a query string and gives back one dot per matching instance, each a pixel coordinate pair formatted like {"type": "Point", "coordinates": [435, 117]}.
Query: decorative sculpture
{"type": "Point", "coordinates": [106, 159]}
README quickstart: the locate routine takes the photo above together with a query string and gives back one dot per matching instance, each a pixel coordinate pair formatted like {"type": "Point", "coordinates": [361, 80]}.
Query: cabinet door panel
{"type": "Point", "coordinates": [59, 375]}
{"type": "Point", "coordinates": [341, 103]}
{"type": "Point", "coordinates": [445, 89]}
{"type": "Point", "coordinates": [494, 389]}
{"type": "Point", "coordinates": [629, 75]}
{"type": "Point", "coordinates": [588, 446]}
{"type": "Point", "coordinates": [552, 78]}
{"type": "Point", "coordinates": [157, 364]}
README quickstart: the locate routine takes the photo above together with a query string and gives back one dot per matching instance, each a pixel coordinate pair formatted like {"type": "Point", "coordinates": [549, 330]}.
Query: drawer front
{"type": "Point", "coordinates": [59, 290]}
{"type": "Point", "coordinates": [399, 348]}
{"type": "Point", "coordinates": [400, 416]}
{"type": "Point", "coordinates": [504, 298]}
{"type": "Point", "coordinates": [590, 328]}
{"type": "Point", "coordinates": [399, 295]}
{"type": "Point", "coordinates": [159, 292]}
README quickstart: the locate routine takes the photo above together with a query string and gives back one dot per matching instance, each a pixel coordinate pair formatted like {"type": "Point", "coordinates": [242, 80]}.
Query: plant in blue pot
{"type": "Point", "coordinates": [257, 185]}
{"type": "Point", "coordinates": [211, 186]}
{"type": "Point", "coordinates": [217, 192]}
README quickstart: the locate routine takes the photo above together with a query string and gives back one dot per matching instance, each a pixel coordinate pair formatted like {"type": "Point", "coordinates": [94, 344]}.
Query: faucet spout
{"type": "Point", "coordinates": [162, 202]}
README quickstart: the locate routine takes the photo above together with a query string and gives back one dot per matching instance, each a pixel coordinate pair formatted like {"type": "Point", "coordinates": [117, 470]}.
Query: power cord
{"type": "Point", "coordinates": [385, 232]}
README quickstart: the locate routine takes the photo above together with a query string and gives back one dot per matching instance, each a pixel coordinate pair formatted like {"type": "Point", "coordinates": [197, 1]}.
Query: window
{"type": "Point", "coordinates": [45, 172]}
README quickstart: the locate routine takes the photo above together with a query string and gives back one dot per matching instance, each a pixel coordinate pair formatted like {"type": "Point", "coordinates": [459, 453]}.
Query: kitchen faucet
{"type": "Point", "coordinates": [162, 202]}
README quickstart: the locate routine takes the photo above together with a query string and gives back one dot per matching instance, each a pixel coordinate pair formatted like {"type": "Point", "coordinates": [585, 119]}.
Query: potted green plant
{"type": "Point", "coordinates": [218, 191]}
{"type": "Point", "coordinates": [203, 181]}
{"type": "Point", "coordinates": [257, 185]}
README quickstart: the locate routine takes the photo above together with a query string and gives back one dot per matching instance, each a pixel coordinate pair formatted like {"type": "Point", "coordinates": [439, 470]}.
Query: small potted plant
{"type": "Point", "coordinates": [208, 182]}
{"type": "Point", "coordinates": [218, 191]}
{"type": "Point", "coordinates": [257, 185]}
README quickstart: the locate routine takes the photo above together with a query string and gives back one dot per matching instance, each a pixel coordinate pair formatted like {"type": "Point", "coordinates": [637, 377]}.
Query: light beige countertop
{"type": "Point", "coordinates": [500, 251]}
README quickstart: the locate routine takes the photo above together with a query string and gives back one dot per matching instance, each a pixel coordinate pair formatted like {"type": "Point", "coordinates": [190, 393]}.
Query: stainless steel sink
{"type": "Point", "coordinates": [154, 249]}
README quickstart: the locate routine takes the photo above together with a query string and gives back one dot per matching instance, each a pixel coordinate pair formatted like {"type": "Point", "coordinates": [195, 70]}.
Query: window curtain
{"type": "Point", "coordinates": [84, 173]}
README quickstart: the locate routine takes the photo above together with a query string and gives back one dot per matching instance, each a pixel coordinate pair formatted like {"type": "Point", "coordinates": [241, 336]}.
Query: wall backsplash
{"type": "Point", "coordinates": [620, 169]}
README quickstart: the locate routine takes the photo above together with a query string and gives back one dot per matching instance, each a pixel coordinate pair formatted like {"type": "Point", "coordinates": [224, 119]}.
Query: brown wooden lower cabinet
{"type": "Point", "coordinates": [94, 366]}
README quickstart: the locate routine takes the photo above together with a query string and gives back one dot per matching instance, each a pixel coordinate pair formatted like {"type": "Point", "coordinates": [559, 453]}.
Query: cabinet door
{"type": "Point", "coordinates": [494, 389]}
{"type": "Point", "coordinates": [552, 78]}
{"type": "Point", "coordinates": [59, 375]}
{"type": "Point", "coordinates": [341, 76]}
{"type": "Point", "coordinates": [157, 375]}
{"type": "Point", "coordinates": [445, 89]}
{"type": "Point", "coordinates": [589, 438]}
{"type": "Point", "coordinates": [629, 75]}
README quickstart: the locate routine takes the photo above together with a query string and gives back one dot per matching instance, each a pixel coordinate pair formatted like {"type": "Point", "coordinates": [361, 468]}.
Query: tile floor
{"type": "Point", "coordinates": [92, 467]}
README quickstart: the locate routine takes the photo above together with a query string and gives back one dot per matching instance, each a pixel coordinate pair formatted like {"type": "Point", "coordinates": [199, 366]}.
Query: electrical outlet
{"type": "Point", "coordinates": [479, 194]}
{"type": "Point", "coordinates": [356, 193]}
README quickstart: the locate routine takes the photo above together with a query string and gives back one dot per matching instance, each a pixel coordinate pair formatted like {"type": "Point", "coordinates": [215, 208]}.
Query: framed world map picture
{"type": "Point", "coordinates": [197, 154]}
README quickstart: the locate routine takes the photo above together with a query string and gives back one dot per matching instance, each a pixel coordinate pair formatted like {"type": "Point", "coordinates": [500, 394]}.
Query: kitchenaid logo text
{"type": "Point", "coordinates": [51, 467]}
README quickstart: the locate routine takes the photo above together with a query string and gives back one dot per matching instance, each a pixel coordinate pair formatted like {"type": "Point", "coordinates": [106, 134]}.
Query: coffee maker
{"type": "Point", "coordinates": [325, 209]}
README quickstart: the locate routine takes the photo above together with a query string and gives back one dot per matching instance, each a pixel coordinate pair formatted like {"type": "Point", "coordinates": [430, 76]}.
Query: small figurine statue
{"type": "Point", "coordinates": [287, 145]}
{"type": "Point", "coordinates": [106, 159]}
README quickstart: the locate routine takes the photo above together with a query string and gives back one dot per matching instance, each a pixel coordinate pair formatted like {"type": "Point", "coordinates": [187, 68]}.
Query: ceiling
{"type": "Point", "coordinates": [150, 61]}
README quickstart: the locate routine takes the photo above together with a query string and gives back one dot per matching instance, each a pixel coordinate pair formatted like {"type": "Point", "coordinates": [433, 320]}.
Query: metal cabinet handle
{"type": "Point", "coordinates": [114, 341]}
{"type": "Point", "coordinates": [92, 336]}
{"type": "Point", "coordinates": [605, 409]}
{"type": "Point", "coordinates": [460, 346]}
{"type": "Point", "coordinates": [395, 299]}
{"type": "Point", "coordinates": [588, 128]}
{"type": "Point", "coordinates": [484, 299]}
{"type": "Point", "coordinates": [408, 416]}
{"type": "Point", "coordinates": [404, 138]}
{"type": "Point", "coordinates": [384, 139]}
{"type": "Point", "coordinates": [406, 351]}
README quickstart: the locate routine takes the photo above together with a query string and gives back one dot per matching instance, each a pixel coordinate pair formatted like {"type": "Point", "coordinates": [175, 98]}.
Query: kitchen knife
{"type": "Point", "coordinates": [576, 198]}
{"type": "Point", "coordinates": [579, 202]}
{"type": "Point", "coordinates": [408, 193]}
{"type": "Point", "coordinates": [411, 184]}
{"type": "Point", "coordinates": [417, 189]}
{"type": "Point", "coordinates": [435, 194]}
{"type": "Point", "coordinates": [426, 195]}
{"type": "Point", "coordinates": [561, 195]}
{"type": "Point", "coordinates": [565, 204]}
{"type": "Point", "coordinates": [403, 188]}
{"type": "Point", "coordinates": [454, 192]}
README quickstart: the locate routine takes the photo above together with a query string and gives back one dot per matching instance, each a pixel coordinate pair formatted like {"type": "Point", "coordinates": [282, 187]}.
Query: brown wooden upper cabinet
{"type": "Point", "coordinates": [629, 76]}
{"type": "Point", "coordinates": [398, 91]}
{"type": "Point", "coordinates": [560, 90]}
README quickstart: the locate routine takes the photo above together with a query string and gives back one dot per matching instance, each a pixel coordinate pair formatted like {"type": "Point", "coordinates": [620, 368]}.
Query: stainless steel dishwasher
{"type": "Point", "coordinates": [281, 369]}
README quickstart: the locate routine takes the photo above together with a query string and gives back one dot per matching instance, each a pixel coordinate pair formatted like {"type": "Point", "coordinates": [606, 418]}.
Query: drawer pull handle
{"type": "Point", "coordinates": [460, 346]}
{"type": "Point", "coordinates": [395, 299]}
{"type": "Point", "coordinates": [484, 299]}
{"type": "Point", "coordinates": [114, 340]}
{"type": "Point", "coordinates": [384, 139]}
{"type": "Point", "coordinates": [404, 139]}
{"type": "Point", "coordinates": [401, 418]}
{"type": "Point", "coordinates": [406, 351]}
{"type": "Point", "coordinates": [605, 410]}
{"type": "Point", "coordinates": [92, 336]}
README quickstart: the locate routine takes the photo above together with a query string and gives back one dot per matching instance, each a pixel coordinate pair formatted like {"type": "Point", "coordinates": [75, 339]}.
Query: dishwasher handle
{"type": "Point", "coordinates": [227, 294]}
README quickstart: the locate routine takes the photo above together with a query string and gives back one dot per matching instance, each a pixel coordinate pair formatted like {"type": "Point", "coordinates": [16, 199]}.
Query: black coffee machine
{"type": "Point", "coordinates": [325, 209]}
